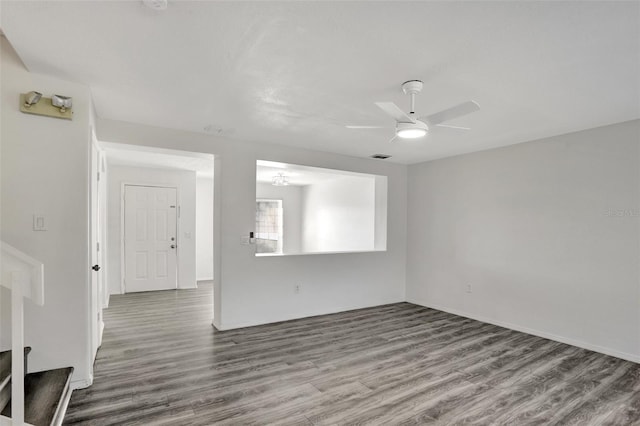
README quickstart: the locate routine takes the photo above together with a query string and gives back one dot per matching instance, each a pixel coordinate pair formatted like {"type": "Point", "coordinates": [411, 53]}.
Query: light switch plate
{"type": "Point", "coordinates": [39, 223]}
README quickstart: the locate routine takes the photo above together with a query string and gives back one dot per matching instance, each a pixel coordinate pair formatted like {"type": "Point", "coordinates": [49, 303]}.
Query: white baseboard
{"type": "Point", "coordinates": [543, 334]}
{"type": "Point", "coordinates": [81, 383]}
{"type": "Point", "coordinates": [101, 334]}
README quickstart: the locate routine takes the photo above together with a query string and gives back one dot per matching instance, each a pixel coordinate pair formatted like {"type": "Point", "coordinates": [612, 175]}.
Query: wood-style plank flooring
{"type": "Point", "coordinates": [161, 362]}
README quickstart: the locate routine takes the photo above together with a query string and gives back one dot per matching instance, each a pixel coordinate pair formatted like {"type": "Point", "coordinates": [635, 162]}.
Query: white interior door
{"type": "Point", "coordinates": [96, 323]}
{"type": "Point", "coordinates": [150, 230]}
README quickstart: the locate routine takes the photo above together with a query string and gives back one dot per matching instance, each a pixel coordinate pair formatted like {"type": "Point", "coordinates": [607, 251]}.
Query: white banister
{"type": "Point", "coordinates": [17, 349]}
{"type": "Point", "coordinates": [31, 279]}
{"type": "Point", "coordinates": [24, 275]}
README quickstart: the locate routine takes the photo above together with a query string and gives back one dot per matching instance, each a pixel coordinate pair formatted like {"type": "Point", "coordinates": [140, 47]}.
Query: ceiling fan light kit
{"type": "Point", "coordinates": [410, 127]}
{"type": "Point", "coordinates": [411, 130]}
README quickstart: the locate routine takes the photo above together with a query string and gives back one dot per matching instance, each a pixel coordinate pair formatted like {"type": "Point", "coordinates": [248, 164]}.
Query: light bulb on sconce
{"type": "Point", "coordinates": [62, 102]}
{"type": "Point", "coordinates": [32, 98]}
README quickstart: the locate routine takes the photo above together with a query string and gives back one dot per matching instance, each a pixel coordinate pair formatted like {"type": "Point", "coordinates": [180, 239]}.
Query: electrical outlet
{"type": "Point", "coordinates": [469, 289]}
{"type": "Point", "coordinates": [296, 288]}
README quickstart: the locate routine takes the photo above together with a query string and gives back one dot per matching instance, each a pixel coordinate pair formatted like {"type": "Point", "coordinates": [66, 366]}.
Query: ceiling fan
{"type": "Point", "coordinates": [408, 126]}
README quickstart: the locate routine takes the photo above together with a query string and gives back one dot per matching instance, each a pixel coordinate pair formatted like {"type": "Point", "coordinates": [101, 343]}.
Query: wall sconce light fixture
{"type": "Point", "coordinates": [57, 106]}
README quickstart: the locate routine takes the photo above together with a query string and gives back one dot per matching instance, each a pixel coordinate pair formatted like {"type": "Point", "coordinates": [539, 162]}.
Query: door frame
{"type": "Point", "coordinates": [123, 186]}
{"type": "Point", "coordinates": [97, 231]}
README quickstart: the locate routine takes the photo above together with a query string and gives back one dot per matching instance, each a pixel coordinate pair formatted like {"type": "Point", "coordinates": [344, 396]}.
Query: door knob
{"type": "Point", "coordinates": [173, 246]}
{"type": "Point", "coordinates": [96, 267]}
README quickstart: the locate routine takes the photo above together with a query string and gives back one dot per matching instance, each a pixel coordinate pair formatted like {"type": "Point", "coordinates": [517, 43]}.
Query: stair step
{"type": "Point", "coordinates": [5, 364]}
{"type": "Point", "coordinates": [46, 395]}
{"type": "Point", "coordinates": [5, 375]}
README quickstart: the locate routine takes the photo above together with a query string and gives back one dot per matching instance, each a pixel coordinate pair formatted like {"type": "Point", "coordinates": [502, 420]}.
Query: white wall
{"type": "Point", "coordinates": [45, 169]}
{"type": "Point", "coordinates": [251, 290]}
{"type": "Point", "coordinates": [530, 228]}
{"type": "Point", "coordinates": [339, 215]}
{"type": "Point", "coordinates": [204, 228]}
{"type": "Point", "coordinates": [291, 197]}
{"type": "Point", "coordinates": [185, 181]}
{"type": "Point", "coordinates": [381, 197]}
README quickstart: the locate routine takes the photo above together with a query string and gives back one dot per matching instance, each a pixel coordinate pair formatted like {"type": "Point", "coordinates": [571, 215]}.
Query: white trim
{"type": "Point", "coordinates": [178, 240]}
{"type": "Point", "coordinates": [543, 334]}
{"type": "Point", "coordinates": [312, 253]}
{"type": "Point", "coordinates": [101, 331]}
{"type": "Point", "coordinates": [81, 383]}
{"type": "Point", "coordinates": [93, 152]}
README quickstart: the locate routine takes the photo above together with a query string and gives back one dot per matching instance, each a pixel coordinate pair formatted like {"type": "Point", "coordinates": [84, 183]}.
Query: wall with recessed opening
{"type": "Point", "coordinates": [250, 290]}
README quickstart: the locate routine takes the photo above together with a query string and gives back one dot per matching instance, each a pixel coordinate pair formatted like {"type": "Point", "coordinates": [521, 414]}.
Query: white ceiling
{"type": "Point", "coordinates": [158, 158]}
{"type": "Point", "coordinates": [295, 73]}
{"type": "Point", "coordinates": [301, 175]}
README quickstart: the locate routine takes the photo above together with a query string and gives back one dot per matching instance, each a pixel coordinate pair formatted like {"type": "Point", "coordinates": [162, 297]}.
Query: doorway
{"type": "Point", "coordinates": [150, 238]}
{"type": "Point", "coordinates": [171, 176]}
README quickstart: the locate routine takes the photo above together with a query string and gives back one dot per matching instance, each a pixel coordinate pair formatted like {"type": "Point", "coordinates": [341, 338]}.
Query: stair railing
{"type": "Point", "coordinates": [24, 276]}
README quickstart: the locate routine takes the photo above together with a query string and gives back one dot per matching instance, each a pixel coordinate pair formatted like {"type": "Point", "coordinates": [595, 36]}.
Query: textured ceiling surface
{"type": "Point", "coordinates": [296, 73]}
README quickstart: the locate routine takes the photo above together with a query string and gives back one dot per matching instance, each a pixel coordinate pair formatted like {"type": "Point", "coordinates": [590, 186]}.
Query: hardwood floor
{"type": "Point", "coordinates": [162, 362]}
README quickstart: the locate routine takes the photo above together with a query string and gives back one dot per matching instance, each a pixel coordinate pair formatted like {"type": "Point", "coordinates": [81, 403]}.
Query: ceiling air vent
{"type": "Point", "coordinates": [380, 156]}
{"type": "Point", "coordinates": [156, 4]}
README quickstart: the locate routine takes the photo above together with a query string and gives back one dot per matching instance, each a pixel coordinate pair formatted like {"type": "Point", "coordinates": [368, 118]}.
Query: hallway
{"type": "Point", "coordinates": [151, 340]}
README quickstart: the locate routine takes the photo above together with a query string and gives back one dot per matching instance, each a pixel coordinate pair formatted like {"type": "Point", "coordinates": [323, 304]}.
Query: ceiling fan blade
{"type": "Point", "coordinates": [394, 111]}
{"type": "Point", "coordinates": [451, 113]}
{"type": "Point", "coordinates": [448, 126]}
{"type": "Point", "coordinates": [367, 127]}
